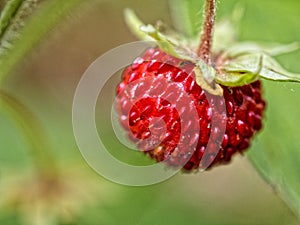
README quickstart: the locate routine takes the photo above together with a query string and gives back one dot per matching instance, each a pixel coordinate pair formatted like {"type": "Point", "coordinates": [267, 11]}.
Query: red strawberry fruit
{"type": "Point", "coordinates": [196, 108]}
{"type": "Point", "coordinates": [244, 111]}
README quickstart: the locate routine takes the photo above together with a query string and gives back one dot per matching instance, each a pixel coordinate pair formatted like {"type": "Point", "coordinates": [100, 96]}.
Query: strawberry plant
{"type": "Point", "coordinates": [217, 65]}
{"type": "Point", "coordinates": [226, 81]}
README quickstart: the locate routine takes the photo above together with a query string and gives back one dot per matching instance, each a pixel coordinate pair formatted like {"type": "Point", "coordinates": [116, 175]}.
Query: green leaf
{"type": "Point", "coordinates": [50, 13]}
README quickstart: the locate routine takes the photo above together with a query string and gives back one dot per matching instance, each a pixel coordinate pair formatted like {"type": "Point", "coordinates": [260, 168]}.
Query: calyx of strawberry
{"type": "Point", "coordinates": [233, 63]}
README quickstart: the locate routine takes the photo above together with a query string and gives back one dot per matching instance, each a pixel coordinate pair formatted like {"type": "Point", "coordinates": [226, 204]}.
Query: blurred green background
{"type": "Point", "coordinates": [45, 81]}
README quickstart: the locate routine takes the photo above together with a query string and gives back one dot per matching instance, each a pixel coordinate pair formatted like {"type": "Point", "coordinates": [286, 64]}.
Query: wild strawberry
{"type": "Point", "coordinates": [244, 111]}
{"type": "Point", "coordinates": [223, 88]}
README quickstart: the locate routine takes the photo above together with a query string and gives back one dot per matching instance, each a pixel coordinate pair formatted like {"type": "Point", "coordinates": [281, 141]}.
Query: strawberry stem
{"type": "Point", "coordinates": [207, 31]}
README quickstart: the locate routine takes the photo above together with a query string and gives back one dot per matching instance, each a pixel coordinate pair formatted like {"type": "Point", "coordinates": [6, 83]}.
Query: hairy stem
{"type": "Point", "coordinates": [8, 12]}
{"type": "Point", "coordinates": [38, 145]}
{"type": "Point", "coordinates": [49, 14]}
{"type": "Point", "coordinates": [207, 31]}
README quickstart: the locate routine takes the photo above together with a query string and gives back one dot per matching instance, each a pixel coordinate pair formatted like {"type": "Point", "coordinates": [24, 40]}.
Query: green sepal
{"type": "Point", "coordinates": [150, 33]}
{"type": "Point", "coordinates": [272, 70]}
{"type": "Point", "coordinates": [212, 88]}
{"type": "Point", "coordinates": [204, 73]}
{"type": "Point", "coordinates": [167, 44]}
{"type": "Point", "coordinates": [246, 62]}
{"type": "Point", "coordinates": [134, 24]}
{"type": "Point", "coordinates": [243, 62]}
{"type": "Point", "coordinates": [241, 73]}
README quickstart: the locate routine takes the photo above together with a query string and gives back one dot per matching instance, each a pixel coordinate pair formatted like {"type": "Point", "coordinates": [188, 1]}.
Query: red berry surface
{"type": "Point", "coordinates": [151, 101]}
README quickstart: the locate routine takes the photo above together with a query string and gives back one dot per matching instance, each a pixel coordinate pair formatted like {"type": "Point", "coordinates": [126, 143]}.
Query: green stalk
{"type": "Point", "coordinates": [38, 144]}
{"type": "Point", "coordinates": [49, 14]}
{"type": "Point", "coordinates": [7, 14]}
